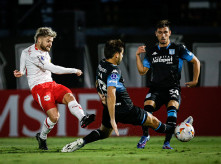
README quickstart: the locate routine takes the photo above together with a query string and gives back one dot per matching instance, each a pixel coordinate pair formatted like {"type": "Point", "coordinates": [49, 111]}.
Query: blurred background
{"type": "Point", "coordinates": [84, 25]}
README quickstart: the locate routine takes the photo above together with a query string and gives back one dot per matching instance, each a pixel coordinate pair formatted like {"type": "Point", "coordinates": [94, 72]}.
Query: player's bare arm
{"type": "Point", "coordinates": [17, 73]}
{"type": "Point", "coordinates": [111, 101]}
{"type": "Point", "coordinates": [102, 97]}
{"type": "Point", "coordinates": [196, 72]}
{"type": "Point", "coordinates": [141, 69]}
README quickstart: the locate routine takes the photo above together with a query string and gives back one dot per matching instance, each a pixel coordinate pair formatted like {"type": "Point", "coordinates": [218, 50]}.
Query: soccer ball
{"type": "Point", "coordinates": [184, 132]}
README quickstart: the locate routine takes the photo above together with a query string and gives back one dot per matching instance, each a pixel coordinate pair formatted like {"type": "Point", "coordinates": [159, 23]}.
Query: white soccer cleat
{"type": "Point", "coordinates": [79, 143]}
{"type": "Point", "coordinates": [189, 120]}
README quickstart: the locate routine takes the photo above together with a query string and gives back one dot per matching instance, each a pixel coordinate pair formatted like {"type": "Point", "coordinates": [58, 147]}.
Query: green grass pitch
{"type": "Point", "coordinates": [122, 150]}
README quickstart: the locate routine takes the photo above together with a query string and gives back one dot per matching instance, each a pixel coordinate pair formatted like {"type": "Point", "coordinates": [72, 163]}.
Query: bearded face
{"type": "Point", "coordinates": [45, 43]}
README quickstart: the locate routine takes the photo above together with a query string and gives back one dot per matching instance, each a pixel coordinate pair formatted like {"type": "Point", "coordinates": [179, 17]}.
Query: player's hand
{"type": "Point", "coordinates": [140, 49]}
{"type": "Point", "coordinates": [114, 126]}
{"type": "Point", "coordinates": [79, 72]}
{"type": "Point", "coordinates": [191, 84]}
{"type": "Point", "coordinates": [103, 98]}
{"type": "Point", "coordinates": [17, 73]}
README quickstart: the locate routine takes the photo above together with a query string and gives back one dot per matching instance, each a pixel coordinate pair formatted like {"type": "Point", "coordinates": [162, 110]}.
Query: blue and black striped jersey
{"type": "Point", "coordinates": [108, 74]}
{"type": "Point", "coordinates": [166, 64]}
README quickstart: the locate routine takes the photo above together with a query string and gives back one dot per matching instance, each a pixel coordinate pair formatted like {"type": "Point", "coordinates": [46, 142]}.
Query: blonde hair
{"type": "Point", "coordinates": [44, 31]}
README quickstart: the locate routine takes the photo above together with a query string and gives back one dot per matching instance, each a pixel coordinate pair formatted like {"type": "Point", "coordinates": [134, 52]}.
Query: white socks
{"type": "Point", "coordinates": [46, 128]}
{"type": "Point", "coordinates": [48, 125]}
{"type": "Point", "coordinates": [76, 109]}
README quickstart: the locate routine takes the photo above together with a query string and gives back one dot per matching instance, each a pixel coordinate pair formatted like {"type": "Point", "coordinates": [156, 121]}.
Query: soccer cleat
{"type": "Point", "coordinates": [86, 120]}
{"type": "Point", "coordinates": [189, 120]}
{"type": "Point", "coordinates": [167, 145]}
{"type": "Point", "coordinates": [141, 144]}
{"type": "Point", "coordinates": [42, 143]}
{"type": "Point", "coordinates": [79, 143]}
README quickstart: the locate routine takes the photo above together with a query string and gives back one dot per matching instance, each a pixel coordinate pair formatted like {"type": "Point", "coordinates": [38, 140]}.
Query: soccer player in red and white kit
{"type": "Point", "coordinates": [35, 62]}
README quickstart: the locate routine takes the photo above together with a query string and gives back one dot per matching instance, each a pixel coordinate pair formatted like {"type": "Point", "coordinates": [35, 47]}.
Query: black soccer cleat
{"type": "Point", "coordinates": [42, 143]}
{"type": "Point", "coordinates": [86, 120]}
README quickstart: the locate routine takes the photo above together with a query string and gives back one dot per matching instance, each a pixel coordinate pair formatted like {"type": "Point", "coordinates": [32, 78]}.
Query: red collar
{"type": "Point", "coordinates": [36, 47]}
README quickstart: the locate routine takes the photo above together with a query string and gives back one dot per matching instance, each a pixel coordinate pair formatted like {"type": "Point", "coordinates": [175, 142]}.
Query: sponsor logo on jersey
{"type": "Point", "coordinates": [112, 81]}
{"type": "Point", "coordinates": [42, 58]}
{"type": "Point", "coordinates": [163, 59]}
{"type": "Point", "coordinates": [154, 53]}
{"type": "Point", "coordinates": [171, 51]}
{"type": "Point", "coordinates": [47, 98]}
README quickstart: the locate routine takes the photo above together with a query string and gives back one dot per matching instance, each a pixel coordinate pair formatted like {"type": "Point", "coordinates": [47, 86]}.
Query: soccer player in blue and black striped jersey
{"type": "Point", "coordinates": [165, 62]}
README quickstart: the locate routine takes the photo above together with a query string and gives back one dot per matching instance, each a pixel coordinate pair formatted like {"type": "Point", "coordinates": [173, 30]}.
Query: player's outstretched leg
{"type": "Point", "coordinates": [79, 143]}
{"type": "Point", "coordinates": [42, 143]}
{"type": "Point", "coordinates": [95, 135]}
{"type": "Point", "coordinates": [86, 120]}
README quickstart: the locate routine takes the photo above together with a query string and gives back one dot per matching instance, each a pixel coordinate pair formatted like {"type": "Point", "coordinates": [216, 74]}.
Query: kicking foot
{"type": "Point", "coordinates": [79, 143]}
{"type": "Point", "coordinates": [143, 140]}
{"type": "Point", "coordinates": [42, 143]}
{"type": "Point", "coordinates": [86, 120]}
{"type": "Point", "coordinates": [167, 146]}
{"type": "Point", "coordinates": [189, 120]}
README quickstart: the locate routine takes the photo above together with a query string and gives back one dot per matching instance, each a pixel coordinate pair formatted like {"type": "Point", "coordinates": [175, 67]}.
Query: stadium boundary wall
{"type": "Point", "coordinates": [20, 116]}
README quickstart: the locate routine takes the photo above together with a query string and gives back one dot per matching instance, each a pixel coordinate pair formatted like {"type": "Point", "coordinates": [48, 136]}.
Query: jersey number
{"type": "Point", "coordinates": [174, 91]}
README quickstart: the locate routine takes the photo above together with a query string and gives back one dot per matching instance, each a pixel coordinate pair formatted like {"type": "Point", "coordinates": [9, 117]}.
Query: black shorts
{"type": "Point", "coordinates": [162, 96]}
{"type": "Point", "coordinates": [134, 116]}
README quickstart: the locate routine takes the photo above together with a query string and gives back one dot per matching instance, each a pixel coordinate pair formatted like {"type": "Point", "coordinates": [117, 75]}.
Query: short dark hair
{"type": "Point", "coordinates": [163, 23]}
{"type": "Point", "coordinates": [112, 47]}
{"type": "Point", "coordinates": [44, 31]}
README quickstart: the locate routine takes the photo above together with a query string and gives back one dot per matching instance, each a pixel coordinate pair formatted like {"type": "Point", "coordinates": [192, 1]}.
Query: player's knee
{"type": "Point", "coordinates": [151, 121]}
{"type": "Point", "coordinates": [68, 98]}
{"type": "Point", "coordinates": [55, 118]}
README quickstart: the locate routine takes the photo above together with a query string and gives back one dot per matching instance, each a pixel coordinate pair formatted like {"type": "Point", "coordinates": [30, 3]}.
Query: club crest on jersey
{"type": "Point", "coordinates": [171, 51]}
{"type": "Point", "coordinates": [113, 76]}
{"type": "Point", "coordinates": [47, 98]}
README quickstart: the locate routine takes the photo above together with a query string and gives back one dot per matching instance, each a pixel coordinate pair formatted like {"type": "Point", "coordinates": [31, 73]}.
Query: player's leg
{"type": "Point", "coordinates": [172, 101]}
{"type": "Point", "coordinates": [149, 106]}
{"type": "Point", "coordinates": [49, 122]}
{"type": "Point", "coordinates": [95, 135]}
{"type": "Point", "coordinates": [65, 96]}
{"type": "Point", "coordinates": [102, 133]}
{"type": "Point", "coordinates": [157, 125]}
{"type": "Point", "coordinates": [43, 95]}
{"type": "Point", "coordinates": [172, 109]}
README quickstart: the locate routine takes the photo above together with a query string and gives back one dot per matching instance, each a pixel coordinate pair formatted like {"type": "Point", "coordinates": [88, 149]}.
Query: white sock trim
{"type": "Point", "coordinates": [46, 128]}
